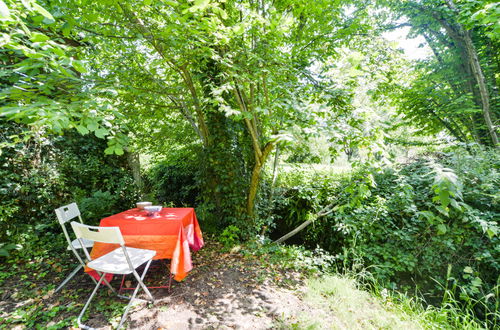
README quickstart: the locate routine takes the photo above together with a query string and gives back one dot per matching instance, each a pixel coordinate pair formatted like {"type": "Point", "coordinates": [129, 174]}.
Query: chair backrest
{"type": "Point", "coordinates": [66, 213]}
{"type": "Point", "coordinates": [110, 235]}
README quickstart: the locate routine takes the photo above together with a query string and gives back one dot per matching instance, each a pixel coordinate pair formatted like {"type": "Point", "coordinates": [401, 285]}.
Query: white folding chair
{"type": "Point", "coordinates": [65, 214]}
{"type": "Point", "coordinates": [122, 260]}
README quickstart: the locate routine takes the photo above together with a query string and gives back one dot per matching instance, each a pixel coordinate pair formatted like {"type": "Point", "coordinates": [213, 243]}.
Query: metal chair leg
{"type": "Point", "coordinates": [79, 320]}
{"type": "Point", "coordinates": [169, 287]}
{"type": "Point", "coordinates": [139, 284]}
{"type": "Point", "coordinates": [67, 279]}
{"type": "Point", "coordinates": [107, 283]}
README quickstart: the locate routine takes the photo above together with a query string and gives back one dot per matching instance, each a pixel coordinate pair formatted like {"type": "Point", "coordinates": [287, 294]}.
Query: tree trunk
{"type": "Point", "coordinates": [255, 179]}
{"type": "Point", "coordinates": [275, 167]}
{"type": "Point", "coordinates": [135, 165]}
{"type": "Point", "coordinates": [273, 183]}
{"type": "Point", "coordinates": [325, 211]}
{"type": "Point", "coordinates": [477, 71]}
{"type": "Point", "coordinates": [483, 89]}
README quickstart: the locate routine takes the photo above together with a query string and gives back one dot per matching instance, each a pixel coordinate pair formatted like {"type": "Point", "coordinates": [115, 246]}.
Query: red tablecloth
{"type": "Point", "coordinates": [172, 233]}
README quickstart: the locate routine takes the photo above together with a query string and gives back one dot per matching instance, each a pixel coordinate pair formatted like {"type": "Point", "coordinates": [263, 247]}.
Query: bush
{"type": "Point", "coordinates": [409, 222]}
{"type": "Point", "coordinates": [40, 174]}
{"type": "Point", "coordinates": [174, 183]}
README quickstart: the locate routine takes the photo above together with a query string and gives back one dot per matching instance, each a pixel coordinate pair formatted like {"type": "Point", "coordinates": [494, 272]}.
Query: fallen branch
{"type": "Point", "coordinates": [325, 211]}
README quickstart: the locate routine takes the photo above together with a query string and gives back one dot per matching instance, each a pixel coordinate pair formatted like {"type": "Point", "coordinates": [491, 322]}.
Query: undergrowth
{"type": "Point", "coordinates": [338, 283]}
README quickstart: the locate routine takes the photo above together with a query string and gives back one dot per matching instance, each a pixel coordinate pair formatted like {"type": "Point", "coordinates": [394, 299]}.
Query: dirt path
{"type": "Point", "coordinates": [224, 291]}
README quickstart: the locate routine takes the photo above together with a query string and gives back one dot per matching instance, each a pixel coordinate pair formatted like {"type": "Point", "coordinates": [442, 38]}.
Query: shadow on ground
{"type": "Point", "coordinates": [224, 290]}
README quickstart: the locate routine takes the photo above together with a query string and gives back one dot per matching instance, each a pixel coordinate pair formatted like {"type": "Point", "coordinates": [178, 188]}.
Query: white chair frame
{"type": "Point", "coordinates": [65, 214]}
{"type": "Point", "coordinates": [113, 263]}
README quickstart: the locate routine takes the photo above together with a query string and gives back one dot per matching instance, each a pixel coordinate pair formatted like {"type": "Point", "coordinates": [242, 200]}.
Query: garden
{"type": "Point", "coordinates": [319, 165]}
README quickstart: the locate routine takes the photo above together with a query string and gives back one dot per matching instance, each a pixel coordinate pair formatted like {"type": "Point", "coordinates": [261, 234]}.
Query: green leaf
{"type": "Point", "coordinates": [119, 151]}
{"type": "Point", "coordinates": [101, 132]}
{"type": "Point", "coordinates": [477, 282]}
{"type": "Point", "coordinates": [109, 150]}
{"type": "Point", "coordinates": [58, 51]}
{"type": "Point", "coordinates": [442, 229]}
{"type": "Point", "coordinates": [444, 198]}
{"type": "Point", "coordinates": [92, 126]}
{"type": "Point", "coordinates": [42, 11]}
{"type": "Point", "coordinates": [66, 29]}
{"type": "Point", "coordinates": [82, 129]}
{"type": "Point", "coordinates": [4, 10]}
{"type": "Point", "coordinates": [427, 215]}
{"type": "Point", "coordinates": [38, 37]}
{"type": "Point", "coordinates": [79, 67]}
{"type": "Point", "coordinates": [442, 210]}
{"type": "Point", "coordinates": [468, 270]}
{"type": "Point", "coordinates": [239, 29]}
{"type": "Point", "coordinates": [491, 232]}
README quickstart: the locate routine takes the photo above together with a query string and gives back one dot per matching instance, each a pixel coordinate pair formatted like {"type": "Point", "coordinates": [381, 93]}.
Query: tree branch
{"type": "Point", "coordinates": [323, 212]}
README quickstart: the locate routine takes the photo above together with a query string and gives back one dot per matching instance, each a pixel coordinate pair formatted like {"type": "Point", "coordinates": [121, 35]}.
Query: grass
{"type": "Point", "coordinates": [353, 300]}
{"type": "Point", "coordinates": [347, 306]}
{"type": "Point", "coordinates": [350, 307]}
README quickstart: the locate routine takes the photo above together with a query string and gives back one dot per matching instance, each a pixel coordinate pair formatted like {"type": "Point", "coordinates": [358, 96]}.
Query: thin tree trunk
{"type": "Point", "coordinates": [483, 89]}
{"type": "Point", "coordinates": [275, 167]}
{"type": "Point", "coordinates": [478, 74]}
{"type": "Point", "coordinates": [273, 183]}
{"type": "Point", "coordinates": [135, 165]}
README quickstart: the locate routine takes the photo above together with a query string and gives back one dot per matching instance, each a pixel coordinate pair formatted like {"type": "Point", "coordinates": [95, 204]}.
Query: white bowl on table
{"type": "Point", "coordinates": [153, 209]}
{"type": "Point", "coordinates": [142, 205]}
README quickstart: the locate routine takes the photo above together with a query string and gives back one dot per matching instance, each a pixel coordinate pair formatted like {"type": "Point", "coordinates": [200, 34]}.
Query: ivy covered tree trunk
{"type": "Point", "coordinates": [224, 172]}
{"type": "Point", "coordinates": [226, 168]}
{"type": "Point", "coordinates": [255, 180]}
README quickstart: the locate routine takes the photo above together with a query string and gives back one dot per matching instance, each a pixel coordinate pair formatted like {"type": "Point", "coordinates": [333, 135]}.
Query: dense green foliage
{"type": "Point", "coordinates": [41, 174]}
{"type": "Point", "coordinates": [457, 88]}
{"type": "Point", "coordinates": [174, 183]}
{"type": "Point", "coordinates": [209, 91]}
{"type": "Point", "coordinates": [409, 222]}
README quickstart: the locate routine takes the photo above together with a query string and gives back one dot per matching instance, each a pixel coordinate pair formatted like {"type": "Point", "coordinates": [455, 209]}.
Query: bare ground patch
{"type": "Point", "coordinates": [224, 291]}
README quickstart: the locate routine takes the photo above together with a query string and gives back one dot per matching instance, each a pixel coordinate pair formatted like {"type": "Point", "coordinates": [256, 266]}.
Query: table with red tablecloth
{"type": "Point", "coordinates": [172, 233]}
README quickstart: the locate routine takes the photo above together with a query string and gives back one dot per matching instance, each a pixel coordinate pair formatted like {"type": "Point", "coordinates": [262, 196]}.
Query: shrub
{"type": "Point", "coordinates": [40, 174]}
{"type": "Point", "coordinates": [174, 182]}
{"type": "Point", "coordinates": [409, 222]}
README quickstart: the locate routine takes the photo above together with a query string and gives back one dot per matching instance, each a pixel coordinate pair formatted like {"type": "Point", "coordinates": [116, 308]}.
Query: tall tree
{"type": "Point", "coordinates": [454, 40]}
{"type": "Point", "coordinates": [239, 72]}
